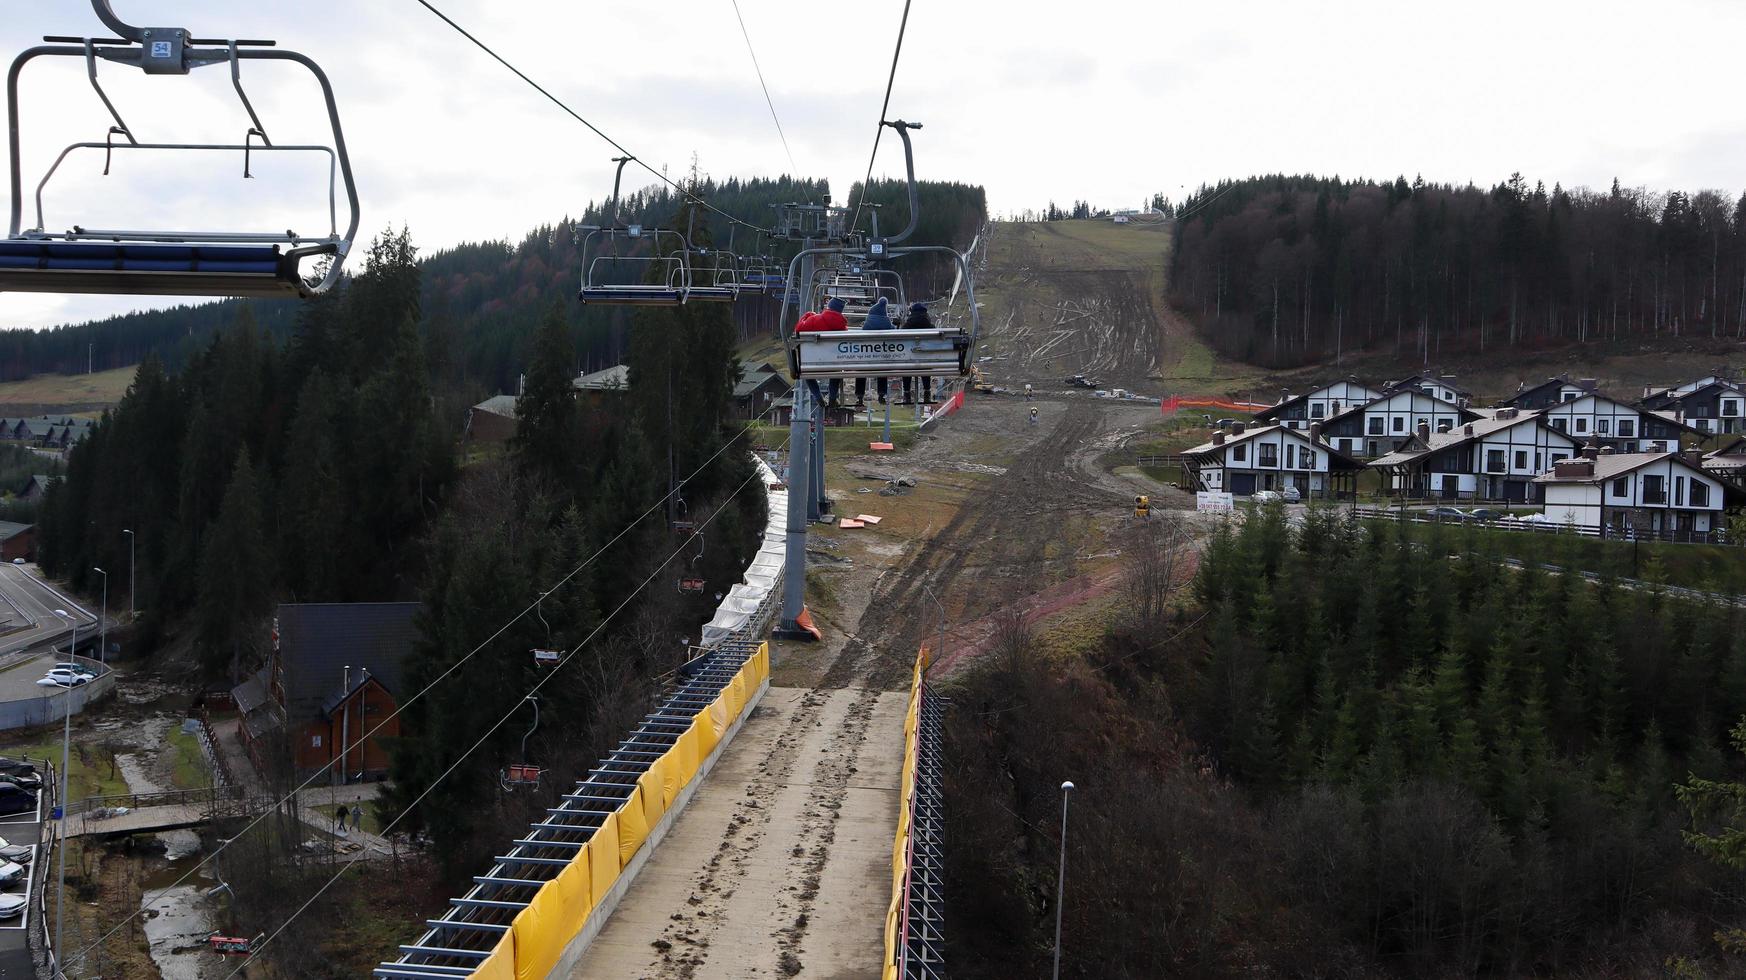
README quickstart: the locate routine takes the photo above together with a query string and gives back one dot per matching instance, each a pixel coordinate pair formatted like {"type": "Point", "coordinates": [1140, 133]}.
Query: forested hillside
{"type": "Point", "coordinates": [1290, 270]}
{"type": "Point", "coordinates": [1358, 750]}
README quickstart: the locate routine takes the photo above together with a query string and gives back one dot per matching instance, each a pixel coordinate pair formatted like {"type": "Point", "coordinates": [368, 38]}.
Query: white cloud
{"type": "Point", "coordinates": [1035, 100]}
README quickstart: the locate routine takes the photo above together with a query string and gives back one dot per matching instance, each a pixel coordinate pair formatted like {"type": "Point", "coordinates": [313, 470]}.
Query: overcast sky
{"type": "Point", "coordinates": [1105, 101]}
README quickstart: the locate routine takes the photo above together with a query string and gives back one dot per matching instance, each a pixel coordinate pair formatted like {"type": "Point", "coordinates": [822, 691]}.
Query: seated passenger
{"type": "Point", "coordinates": [877, 319]}
{"type": "Point", "coordinates": [825, 321]}
{"type": "Point", "coordinates": [918, 319]}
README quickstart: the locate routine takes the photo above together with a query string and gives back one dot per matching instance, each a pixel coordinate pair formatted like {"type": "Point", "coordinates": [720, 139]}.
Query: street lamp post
{"type": "Point", "coordinates": [1061, 876]}
{"type": "Point", "coordinates": [61, 819]}
{"type": "Point", "coordinates": [102, 624]}
{"type": "Point", "coordinates": [132, 611]}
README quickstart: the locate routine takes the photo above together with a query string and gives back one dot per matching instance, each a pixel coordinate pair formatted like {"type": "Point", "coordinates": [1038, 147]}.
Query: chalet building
{"type": "Point", "coordinates": [1297, 412]}
{"type": "Point", "coordinates": [1714, 408]}
{"type": "Point", "coordinates": [1659, 398]}
{"type": "Point", "coordinates": [1270, 457]}
{"type": "Point", "coordinates": [1383, 425]}
{"type": "Point", "coordinates": [761, 387]}
{"type": "Point", "coordinates": [1594, 417]}
{"type": "Point", "coordinates": [332, 680]}
{"type": "Point", "coordinates": [1729, 461]}
{"type": "Point", "coordinates": [38, 486]}
{"type": "Point", "coordinates": [492, 420]}
{"type": "Point", "coordinates": [17, 541]}
{"type": "Point", "coordinates": [1440, 387]}
{"type": "Point", "coordinates": [1552, 391]}
{"type": "Point", "coordinates": [1488, 459]}
{"type": "Point", "coordinates": [1663, 495]}
{"type": "Point", "coordinates": [615, 378]}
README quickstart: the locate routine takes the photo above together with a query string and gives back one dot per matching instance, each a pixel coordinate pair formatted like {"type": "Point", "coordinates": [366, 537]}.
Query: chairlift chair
{"type": "Point", "coordinates": [170, 262]}
{"type": "Point", "coordinates": [524, 775]}
{"type": "Point", "coordinates": [942, 351]}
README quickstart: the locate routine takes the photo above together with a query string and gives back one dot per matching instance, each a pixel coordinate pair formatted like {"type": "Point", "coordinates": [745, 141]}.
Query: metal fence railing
{"type": "Point", "coordinates": [1603, 532]}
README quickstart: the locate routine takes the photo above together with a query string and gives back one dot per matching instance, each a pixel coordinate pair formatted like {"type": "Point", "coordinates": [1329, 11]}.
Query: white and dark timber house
{"type": "Point", "coordinates": [1270, 457]}
{"type": "Point", "coordinates": [1664, 495]}
{"type": "Point", "coordinates": [1488, 459]}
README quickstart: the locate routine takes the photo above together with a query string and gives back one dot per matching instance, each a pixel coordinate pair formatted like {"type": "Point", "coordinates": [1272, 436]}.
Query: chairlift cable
{"type": "Point", "coordinates": [878, 130]}
{"type": "Point", "coordinates": [767, 100]}
{"type": "Point", "coordinates": [426, 4]}
{"type": "Point", "coordinates": [548, 675]}
{"type": "Point", "coordinates": [147, 903]}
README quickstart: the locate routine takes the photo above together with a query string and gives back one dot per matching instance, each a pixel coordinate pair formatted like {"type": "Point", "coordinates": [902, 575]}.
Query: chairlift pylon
{"type": "Point", "coordinates": [170, 262]}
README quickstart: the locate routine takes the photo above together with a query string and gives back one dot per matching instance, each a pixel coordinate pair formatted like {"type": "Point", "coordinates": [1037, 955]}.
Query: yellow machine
{"type": "Point", "coordinates": [1142, 507]}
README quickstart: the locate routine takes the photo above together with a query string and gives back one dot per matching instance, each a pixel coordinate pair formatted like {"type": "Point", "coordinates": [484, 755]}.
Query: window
{"type": "Point", "coordinates": [1239, 452]}
{"type": "Point", "coordinates": [1655, 489]}
{"type": "Point", "coordinates": [1399, 424]}
{"type": "Point", "coordinates": [1539, 461]}
{"type": "Point", "coordinates": [1603, 426]}
{"type": "Point", "coordinates": [1700, 493]}
{"type": "Point", "coordinates": [1376, 425]}
{"type": "Point", "coordinates": [1307, 459]}
{"type": "Point", "coordinates": [1627, 428]}
{"type": "Point", "coordinates": [315, 741]}
{"type": "Point", "coordinates": [1622, 487]}
{"type": "Point", "coordinates": [1521, 459]}
{"type": "Point", "coordinates": [1317, 409]}
{"type": "Point", "coordinates": [1494, 460]}
{"type": "Point", "coordinates": [1567, 396]}
{"type": "Point", "coordinates": [1269, 454]}
{"type": "Point", "coordinates": [1678, 490]}
{"type": "Point", "coordinates": [1559, 424]}
{"type": "Point", "coordinates": [1730, 406]}
{"type": "Point", "coordinates": [1703, 425]}
{"type": "Point", "coordinates": [1291, 456]}
{"type": "Point", "coordinates": [1582, 423]}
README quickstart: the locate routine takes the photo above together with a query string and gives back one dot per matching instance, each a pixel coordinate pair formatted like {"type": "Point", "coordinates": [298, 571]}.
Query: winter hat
{"type": "Point", "coordinates": [916, 309]}
{"type": "Point", "coordinates": [835, 304]}
{"type": "Point", "coordinates": [879, 306]}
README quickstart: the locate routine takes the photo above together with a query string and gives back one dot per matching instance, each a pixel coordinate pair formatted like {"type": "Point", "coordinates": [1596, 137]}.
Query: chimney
{"type": "Point", "coordinates": [1219, 437]}
{"type": "Point", "coordinates": [1315, 432]}
{"type": "Point", "coordinates": [1424, 431]}
{"type": "Point", "coordinates": [1236, 428]}
{"type": "Point", "coordinates": [1506, 413]}
{"type": "Point", "coordinates": [1467, 430]}
{"type": "Point", "coordinates": [1573, 468]}
{"type": "Point", "coordinates": [1448, 379]}
{"type": "Point", "coordinates": [1606, 450]}
{"type": "Point", "coordinates": [1587, 384]}
{"type": "Point", "coordinates": [1284, 395]}
{"type": "Point", "coordinates": [1590, 451]}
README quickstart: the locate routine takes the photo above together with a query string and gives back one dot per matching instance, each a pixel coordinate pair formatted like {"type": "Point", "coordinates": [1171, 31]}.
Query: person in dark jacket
{"type": "Point", "coordinates": [877, 319]}
{"type": "Point", "coordinates": [918, 319]}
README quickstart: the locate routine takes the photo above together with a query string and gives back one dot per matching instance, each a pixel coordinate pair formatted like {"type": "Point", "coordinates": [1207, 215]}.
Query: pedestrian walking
{"type": "Point", "coordinates": [339, 820]}
{"type": "Point", "coordinates": [358, 814]}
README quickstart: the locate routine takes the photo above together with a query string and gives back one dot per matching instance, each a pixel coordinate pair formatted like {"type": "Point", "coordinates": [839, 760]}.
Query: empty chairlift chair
{"type": "Point", "coordinates": [170, 262]}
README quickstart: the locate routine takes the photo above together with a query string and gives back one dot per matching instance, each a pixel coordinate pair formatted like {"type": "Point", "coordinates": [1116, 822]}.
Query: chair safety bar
{"type": "Point", "coordinates": [854, 353]}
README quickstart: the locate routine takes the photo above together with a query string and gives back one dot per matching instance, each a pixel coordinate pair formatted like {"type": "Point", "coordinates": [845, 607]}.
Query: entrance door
{"type": "Point", "coordinates": [1301, 481]}
{"type": "Point", "coordinates": [1451, 486]}
{"type": "Point", "coordinates": [1243, 484]}
{"type": "Point", "coordinates": [1515, 491]}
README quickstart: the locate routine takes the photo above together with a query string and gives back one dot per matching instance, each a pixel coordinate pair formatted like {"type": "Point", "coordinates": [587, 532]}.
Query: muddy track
{"type": "Point", "coordinates": [1010, 515]}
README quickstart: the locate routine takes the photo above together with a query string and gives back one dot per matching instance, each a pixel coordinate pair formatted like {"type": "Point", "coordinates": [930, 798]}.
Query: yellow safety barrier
{"type": "Point", "coordinates": [539, 933]}
{"type": "Point", "coordinates": [905, 807]}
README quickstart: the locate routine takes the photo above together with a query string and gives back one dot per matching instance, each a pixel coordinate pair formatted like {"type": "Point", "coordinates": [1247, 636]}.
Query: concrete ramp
{"type": "Point", "coordinates": [782, 860]}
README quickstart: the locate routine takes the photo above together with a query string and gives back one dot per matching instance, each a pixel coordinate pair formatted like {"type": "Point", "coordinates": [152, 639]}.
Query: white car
{"type": "Point", "coordinates": [1534, 519]}
{"type": "Point", "coordinates": [11, 873]}
{"type": "Point", "coordinates": [11, 905]}
{"type": "Point", "coordinates": [61, 677]}
{"type": "Point", "coordinates": [1291, 495]}
{"type": "Point", "coordinates": [1267, 496]}
{"type": "Point", "coordinates": [15, 853]}
{"type": "Point", "coordinates": [76, 668]}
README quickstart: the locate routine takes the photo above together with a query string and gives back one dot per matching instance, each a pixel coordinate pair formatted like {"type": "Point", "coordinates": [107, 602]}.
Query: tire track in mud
{"type": "Point", "coordinates": [1011, 513]}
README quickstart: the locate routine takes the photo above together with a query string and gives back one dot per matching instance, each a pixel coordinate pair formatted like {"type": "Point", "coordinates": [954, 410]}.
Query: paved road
{"type": "Point", "coordinates": [31, 602]}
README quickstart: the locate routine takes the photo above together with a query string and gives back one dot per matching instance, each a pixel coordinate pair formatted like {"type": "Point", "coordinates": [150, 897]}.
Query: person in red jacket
{"type": "Point", "coordinates": [825, 321]}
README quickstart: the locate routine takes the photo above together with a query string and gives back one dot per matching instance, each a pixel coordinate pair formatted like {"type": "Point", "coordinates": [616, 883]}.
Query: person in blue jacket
{"type": "Point", "coordinates": [877, 319]}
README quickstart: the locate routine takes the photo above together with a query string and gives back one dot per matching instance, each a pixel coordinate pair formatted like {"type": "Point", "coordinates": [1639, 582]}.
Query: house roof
{"type": "Point", "coordinates": [318, 640]}
{"type": "Point", "coordinates": [1418, 380]}
{"type": "Point", "coordinates": [1584, 384]}
{"type": "Point", "coordinates": [754, 382]}
{"type": "Point", "coordinates": [611, 379]}
{"type": "Point", "coordinates": [1481, 427]}
{"type": "Point", "coordinates": [252, 692]}
{"type": "Point", "coordinates": [1607, 466]}
{"type": "Point", "coordinates": [12, 529]}
{"type": "Point", "coordinates": [1274, 409]}
{"type": "Point", "coordinates": [1207, 448]}
{"type": "Point", "coordinates": [503, 405]}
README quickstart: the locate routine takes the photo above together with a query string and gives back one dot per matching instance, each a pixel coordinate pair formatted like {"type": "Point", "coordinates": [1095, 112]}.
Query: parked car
{"type": "Point", "coordinates": [16, 853]}
{"type": "Point", "coordinates": [1534, 519]}
{"type": "Point", "coordinates": [19, 766]}
{"type": "Point", "coordinates": [17, 561]}
{"type": "Point", "coordinates": [1291, 495]}
{"type": "Point", "coordinates": [1267, 496]}
{"type": "Point", "coordinates": [1446, 514]}
{"type": "Point", "coordinates": [1486, 514]}
{"type": "Point", "coordinates": [11, 873]}
{"type": "Point", "coordinates": [76, 668]}
{"type": "Point", "coordinates": [29, 781]}
{"type": "Point", "coordinates": [61, 677]}
{"type": "Point", "coordinates": [16, 799]}
{"type": "Point", "coordinates": [11, 905]}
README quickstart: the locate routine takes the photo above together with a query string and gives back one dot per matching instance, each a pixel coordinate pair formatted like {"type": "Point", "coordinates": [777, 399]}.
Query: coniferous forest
{"type": "Point", "coordinates": [1290, 270]}
{"type": "Point", "coordinates": [1347, 753]}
